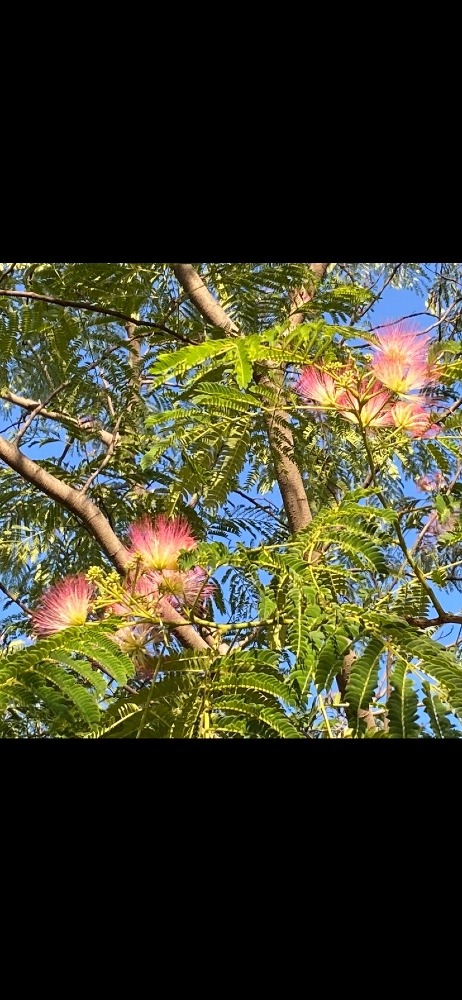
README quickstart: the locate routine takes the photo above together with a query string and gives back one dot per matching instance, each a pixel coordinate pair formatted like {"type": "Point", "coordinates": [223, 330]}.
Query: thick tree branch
{"type": "Point", "coordinates": [42, 411]}
{"type": "Point", "coordinates": [279, 430]}
{"type": "Point", "coordinates": [66, 496]}
{"type": "Point", "coordinates": [204, 301]}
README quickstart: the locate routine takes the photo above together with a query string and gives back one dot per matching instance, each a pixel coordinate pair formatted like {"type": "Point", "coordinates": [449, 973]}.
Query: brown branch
{"type": "Point", "coordinates": [279, 430]}
{"type": "Point", "coordinates": [8, 271]}
{"type": "Point", "coordinates": [38, 409]}
{"type": "Point", "coordinates": [204, 301]}
{"type": "Point", "coordinates": [15, 600]}
{"type": "Point", "coordinates": [31, 404]}
{"type": "Point", "coordinates": [444, 619]}
{"type": "Point", "coordinates": [66, 496]}
{"type": "Point", "coordinates": [107, 457]}
{"type": "Point", "coordinates": [93, 307]}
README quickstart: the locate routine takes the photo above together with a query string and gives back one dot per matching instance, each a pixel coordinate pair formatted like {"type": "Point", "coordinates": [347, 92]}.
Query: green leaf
{"type": "Point", "coordinates": [243, 365]}
{"type": "Point", "coordinates": [271, 717]}
{"type": "Point", "coordinates": [363, 679]}
{"type": "Point", "coordinates": [402, 705]}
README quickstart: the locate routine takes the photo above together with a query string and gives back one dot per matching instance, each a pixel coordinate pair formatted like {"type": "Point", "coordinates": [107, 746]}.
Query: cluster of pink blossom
{"type": "Point", "coordinates": [399, 367]}
{"type": "Point", "coordinates": [432, 484]}
{"type": "Point", "coordinates": [155, 548]}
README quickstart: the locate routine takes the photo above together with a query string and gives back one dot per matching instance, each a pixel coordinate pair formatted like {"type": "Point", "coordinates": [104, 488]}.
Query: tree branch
{"type": "Point", "coordinates": [66, 496]}
{"type": "Point", "coordinates": [15, 600]}
{"type": "Point", "coordinates": [204, 301]}
{"type": "Point", "coordinates": [279, 430]}
{"type": "Point", "coordinates": [38, 409]}
{"type": "Point", "coordinates": [93, 307]}
{"type": "Point", "coordinates": [42, 411]}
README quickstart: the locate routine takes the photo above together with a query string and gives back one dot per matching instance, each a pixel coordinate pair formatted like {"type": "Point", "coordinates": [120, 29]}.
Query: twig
{"type": "Point", "coordinates": [107, 457]}
{"type": "Point", "coordinates": [35, 412]}
{"type": "Point", "coordinates": [31, 404]}
{"type": "Point", "coordinates": [8, 271]}
{"type": "Point", "coordinates": [15, 599]}
{"type": "Point", "coordinates": [93, 307]}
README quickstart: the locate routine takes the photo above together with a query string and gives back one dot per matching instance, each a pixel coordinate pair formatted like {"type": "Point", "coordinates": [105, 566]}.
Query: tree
{"type": "Point", "coordinates": [210, 523]}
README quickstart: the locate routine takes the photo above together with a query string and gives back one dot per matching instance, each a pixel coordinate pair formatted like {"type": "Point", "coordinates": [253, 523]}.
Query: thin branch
{"type": "Point", "coordinates": [15, 600]}
{"type": "Point", "coordinates": [31, 404]}
{"type": "Point", "coordinates": [93, 307]}
{"type": "Point", "coordinates": [376, 298]}
{"type": "Point", "coordinates": [8, 271]}
{"type": "Point", "coordinates": [107, 457]}
{"type": "Point", "coordinates": [443, 619]}
{"type": "Point", "coordinates": [35, 412]}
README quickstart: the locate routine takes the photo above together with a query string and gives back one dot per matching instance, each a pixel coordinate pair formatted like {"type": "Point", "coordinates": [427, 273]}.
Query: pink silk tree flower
{"type": "Point", "coordinates": [65, 604]}
{"type": "Point", "coordinates": [189, 589]}
{"type": "Point", "coordinates": [410, 416]}
{"type": "Point", "coordinates": [399, 343]}
{"type": "Point", "coordinates": [403, 377]}
{"type": "Point", "coordinates": [144, 589]}
{"type": "Point", "coordinates": [432, 484]}
{"type": "Point", "coordinates": [318, 386]}
{"type": "Point", "coordinates": [368, 406]}
{"type": "Point", "coordinates": [400, 360]}
{"type": "Point", "coordinates": [159, 543]}
{"type": "Point", "coordinates": [132, 640]}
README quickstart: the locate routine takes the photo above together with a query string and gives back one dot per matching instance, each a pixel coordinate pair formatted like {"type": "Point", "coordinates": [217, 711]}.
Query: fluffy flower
{"type": "Point", "coordinates": [319, 386]}
{"type": "Point", "coordinates": [190, 589]}
{"type": "Point", "coordinates": [368, 405]}
{"type": "Point", "coordinates": [410, 416]}
{"type": "Point", "coordinates": [159, 543]}
{"type": "Point", "coordinates": [132, 639]}
{"type": "Point", "coordinates": [401, 361]}
{"type": "Point", "coordinates": [66, 603]}
{"type": "Point", "coordinates": [400, 376]}
{"type": "Point", "coordinates": [432, 484]}
{"type": "Point", "coordinates": [145, 587]}
{"type": "Point", "coordinates": [401, 344]}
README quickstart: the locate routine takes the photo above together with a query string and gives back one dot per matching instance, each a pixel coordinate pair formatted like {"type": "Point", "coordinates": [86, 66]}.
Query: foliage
{"type": "Point", "coordinates": [330, 619]}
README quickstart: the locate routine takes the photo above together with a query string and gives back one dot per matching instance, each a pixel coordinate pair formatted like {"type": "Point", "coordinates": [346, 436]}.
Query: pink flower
{"type": "Point", "coordinates": [66, 603]}
{"type": "Point", "coordinates": [402, 377]}
{"type": "Point", "coordinates": [132, 640]}
{"type": "Point", "coordinates": [432, 484]}
{"type": "Point", "coordinates": [402, 344]}
{"type": "Point", "coordinates": [319, 386]}
{"type": "Point", "coordinates": [145, 588]}
{"type": "Point", "coordinates": [159, 543]}
{"type": "Point", "coordinates": [189, 589]}
{"type": "Point", "coordinates": [367, 405]}
{"type": "Point", "coordinates": [410, 416]}
{"type": "Point", "coordinates": [437, 526]}
{"type": "Point", "coordinates": [401, 360]}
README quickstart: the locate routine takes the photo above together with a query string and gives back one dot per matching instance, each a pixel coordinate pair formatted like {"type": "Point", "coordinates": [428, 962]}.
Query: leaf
{"type": "Point", "coordinates": [402, 705]}
{"type": "Point", "coordinates": [244, 369]}
{"type": "Point", "coordinates": [330, 662]}
{"type": "Point", "coordinates": [259, 682]}
{"type": "Point", "coordinates": [438, 713]}
{"type": "Point", "coordinates": [272, 718]}
{"type": "Point", "coordinates": [363, 679]}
